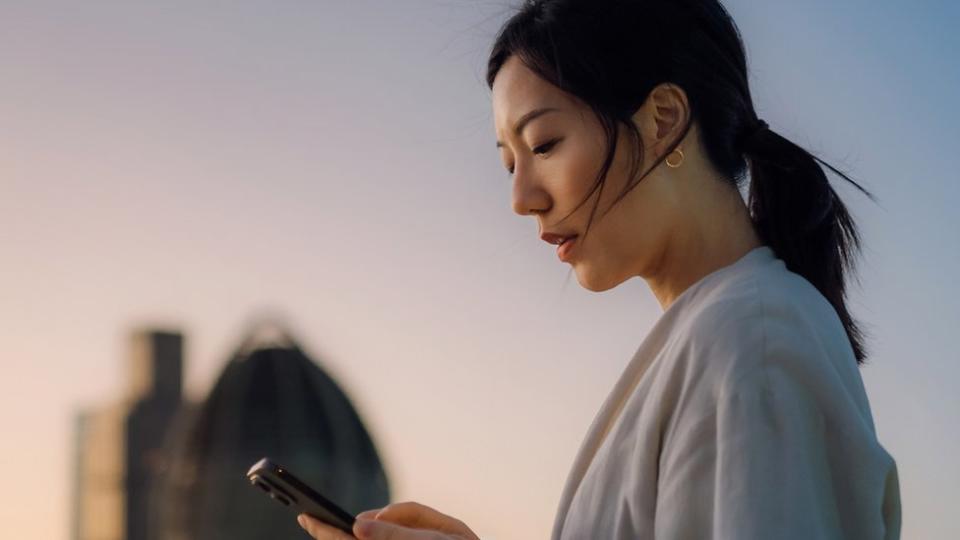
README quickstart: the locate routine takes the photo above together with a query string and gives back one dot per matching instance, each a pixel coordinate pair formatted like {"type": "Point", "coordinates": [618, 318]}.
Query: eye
{"type": "Point", "coordinates": [542, 149]}
{"type": "Point", "coordinates": [546, 147]}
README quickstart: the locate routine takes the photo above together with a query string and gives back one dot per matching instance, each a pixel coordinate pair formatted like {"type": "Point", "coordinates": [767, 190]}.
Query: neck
{"type": "Point", "coordinates": [721, 234]}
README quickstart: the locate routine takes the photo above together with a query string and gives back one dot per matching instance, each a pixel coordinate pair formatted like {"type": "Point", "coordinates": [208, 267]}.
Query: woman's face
{"type": "Point", "coordinates": [555, 159]}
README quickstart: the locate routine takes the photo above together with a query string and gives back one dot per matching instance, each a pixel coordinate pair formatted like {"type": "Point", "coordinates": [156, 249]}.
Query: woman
{"type": "Point", "coordinates": [742, 414]}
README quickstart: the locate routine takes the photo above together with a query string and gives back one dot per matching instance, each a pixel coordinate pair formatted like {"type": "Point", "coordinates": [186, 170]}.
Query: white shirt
{"type": "Point", "coordinates": [741, 416]}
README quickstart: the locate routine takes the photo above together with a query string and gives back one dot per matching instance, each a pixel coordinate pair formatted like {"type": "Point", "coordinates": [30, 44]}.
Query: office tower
{"type": "Point", "coordinates": [271, 400]}
{"type": "Point", "coordinates": [120, 446]}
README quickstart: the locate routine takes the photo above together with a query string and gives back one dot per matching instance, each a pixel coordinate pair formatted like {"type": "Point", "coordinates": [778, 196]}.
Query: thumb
{"type": "Point", "coordinates": [372, 529]}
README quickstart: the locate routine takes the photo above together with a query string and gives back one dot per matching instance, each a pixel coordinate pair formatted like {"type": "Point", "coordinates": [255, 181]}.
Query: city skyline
{"type": "Point", "coordinates": [149, 465]}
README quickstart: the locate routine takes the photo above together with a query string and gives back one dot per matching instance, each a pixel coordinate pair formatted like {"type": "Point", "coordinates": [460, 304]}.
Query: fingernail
{"type": "Point", "coordinates": [301, 521]}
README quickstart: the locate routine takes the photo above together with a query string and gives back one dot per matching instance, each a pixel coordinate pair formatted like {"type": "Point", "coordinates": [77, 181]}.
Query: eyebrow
{"type": "Point", "coordinates": [527, 118]}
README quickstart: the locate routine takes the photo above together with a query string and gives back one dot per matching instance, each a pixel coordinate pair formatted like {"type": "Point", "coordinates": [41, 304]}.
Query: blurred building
{"type": "Point", "coordinates": [270, 400]}
{"type": "Point", "coordinates": [120, 446]}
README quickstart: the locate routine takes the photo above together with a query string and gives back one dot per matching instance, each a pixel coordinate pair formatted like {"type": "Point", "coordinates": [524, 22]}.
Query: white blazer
{"type": "Point", "coordinates": [741, 416]}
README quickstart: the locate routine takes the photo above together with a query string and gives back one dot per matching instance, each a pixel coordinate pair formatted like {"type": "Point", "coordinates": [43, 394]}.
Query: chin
{"type": "Point", "coordinates": [594, 280]}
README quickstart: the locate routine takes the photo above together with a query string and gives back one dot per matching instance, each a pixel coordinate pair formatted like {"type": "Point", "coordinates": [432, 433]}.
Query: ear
{"type": "Point", "coordinates": [662, 116]}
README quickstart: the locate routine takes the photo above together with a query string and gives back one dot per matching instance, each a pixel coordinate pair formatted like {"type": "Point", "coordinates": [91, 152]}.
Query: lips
{"type": "Point", "coordinates": [565, 249]}
{"type": "Point", "coordinates": [564, 242]}
{"type": "Point", "coordinates": [556, 239]}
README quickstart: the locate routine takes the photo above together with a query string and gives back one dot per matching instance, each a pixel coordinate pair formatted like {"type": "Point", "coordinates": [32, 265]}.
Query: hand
{"type": "Point", "coordinates": [397, 521]}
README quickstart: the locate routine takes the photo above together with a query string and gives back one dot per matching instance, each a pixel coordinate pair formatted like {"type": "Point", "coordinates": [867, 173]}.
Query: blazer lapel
{"type": "Point", "coordinates": [605, 420]}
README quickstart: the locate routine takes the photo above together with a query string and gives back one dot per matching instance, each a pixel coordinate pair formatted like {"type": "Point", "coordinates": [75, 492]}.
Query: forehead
{"type": "Point", "coordinates": [518, 90]}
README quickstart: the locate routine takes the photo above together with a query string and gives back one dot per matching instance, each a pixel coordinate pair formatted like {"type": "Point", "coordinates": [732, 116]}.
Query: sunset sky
{"type": "Point", "coordinates": [192, 164]}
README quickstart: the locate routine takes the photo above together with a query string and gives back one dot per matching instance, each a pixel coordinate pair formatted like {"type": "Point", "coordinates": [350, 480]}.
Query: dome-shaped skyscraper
{"type": "Point", "coordinates": [270, 400]}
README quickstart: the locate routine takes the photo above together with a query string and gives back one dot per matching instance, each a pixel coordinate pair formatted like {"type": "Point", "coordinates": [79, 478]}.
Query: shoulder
{"type": "Point", "coordinates": [766, 318]}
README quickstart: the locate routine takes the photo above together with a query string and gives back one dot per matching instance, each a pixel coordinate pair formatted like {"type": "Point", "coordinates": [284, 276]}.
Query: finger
{"type": "Point", "coordinates": [320, 530]}
{"type": "Point", "coordinates": [419, 516]}
{"type": "Point", "coordinates": [367, 529]}
{"type": "Point", "coordinates": [368, 514]}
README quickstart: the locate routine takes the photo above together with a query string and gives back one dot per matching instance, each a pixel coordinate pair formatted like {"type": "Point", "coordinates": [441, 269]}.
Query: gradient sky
{"type": "Point", "coordinates": [191, 163]}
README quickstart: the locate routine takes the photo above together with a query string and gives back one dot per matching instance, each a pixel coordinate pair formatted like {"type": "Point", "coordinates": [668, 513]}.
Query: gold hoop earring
{"type": "Point", "coordinates": [672, 165]}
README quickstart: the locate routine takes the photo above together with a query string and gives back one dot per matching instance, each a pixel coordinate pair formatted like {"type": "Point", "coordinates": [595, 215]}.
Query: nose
{"type": "Point", "coordinates": [528, 196]}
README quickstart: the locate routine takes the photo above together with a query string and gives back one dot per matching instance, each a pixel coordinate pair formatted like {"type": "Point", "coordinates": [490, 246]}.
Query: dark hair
{"type": "Point", "coordinates": [611, 53]}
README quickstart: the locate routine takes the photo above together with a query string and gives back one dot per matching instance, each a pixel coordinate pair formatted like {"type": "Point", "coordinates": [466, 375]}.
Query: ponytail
{"type": "Point", "coordinates": [798, 214]}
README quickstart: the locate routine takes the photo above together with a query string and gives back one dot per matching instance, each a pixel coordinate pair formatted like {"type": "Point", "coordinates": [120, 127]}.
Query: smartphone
{"type": "Point", "coordinates": [281, 485]}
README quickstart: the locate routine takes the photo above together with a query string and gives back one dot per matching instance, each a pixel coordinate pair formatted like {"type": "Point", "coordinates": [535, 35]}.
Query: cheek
{"type": "Point", "coordinates": [576, 173]}
{"type": "Point", "coordinates": [619, 239]}
{"type": "Point", "coordinates": [606, 252]}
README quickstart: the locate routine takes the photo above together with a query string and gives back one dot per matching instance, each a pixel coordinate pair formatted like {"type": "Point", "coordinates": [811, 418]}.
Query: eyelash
{"type": "Point", "coordinates": [542, 149]}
